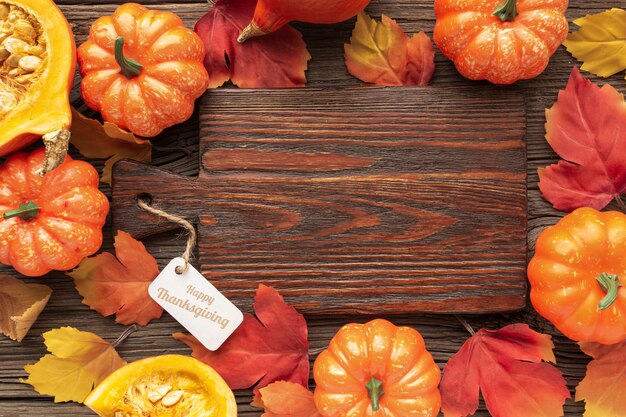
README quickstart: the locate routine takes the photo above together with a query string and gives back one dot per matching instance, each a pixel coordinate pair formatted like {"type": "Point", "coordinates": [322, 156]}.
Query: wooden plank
{"type": "Point", "coordinates": [353, 199]}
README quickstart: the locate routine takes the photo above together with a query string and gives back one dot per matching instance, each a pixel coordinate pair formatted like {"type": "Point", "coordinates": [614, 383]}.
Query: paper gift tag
{"type": "Point", "coordinates": [196, 304]}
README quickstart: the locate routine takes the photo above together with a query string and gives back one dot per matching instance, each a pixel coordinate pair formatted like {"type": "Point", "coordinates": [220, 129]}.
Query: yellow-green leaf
{"type": "Point", "coordinates": [78, 362]}
{"type": "Point", "coordinates": [20, 305]}
{"type": "Point", "coordinates": [600, 43]}
{"type": "Point", "coordinates": [382, 54]}
{"type": "Point", "coordinates": [100, 141]}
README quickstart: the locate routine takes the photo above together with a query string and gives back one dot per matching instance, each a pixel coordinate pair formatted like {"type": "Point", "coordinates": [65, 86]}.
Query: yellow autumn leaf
{"type": "Point", "coordinates": [382, 54]}
{"type": "Point", "coordinates": [78, 362]}
{"type": "Point", "coordinates": [96, 140]}
{"type": "Point", "coordinates": [20, 305]}
{"type": "Point", "coordinates": [600, 43]}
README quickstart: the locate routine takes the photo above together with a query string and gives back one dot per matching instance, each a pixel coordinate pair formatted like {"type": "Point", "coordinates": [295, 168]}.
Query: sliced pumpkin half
{"type": "Point", "coordinates": [163, 386]}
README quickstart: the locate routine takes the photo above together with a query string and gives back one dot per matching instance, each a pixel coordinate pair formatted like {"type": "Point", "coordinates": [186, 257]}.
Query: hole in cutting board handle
{"type": "Point", "coordinates": [145, 197]}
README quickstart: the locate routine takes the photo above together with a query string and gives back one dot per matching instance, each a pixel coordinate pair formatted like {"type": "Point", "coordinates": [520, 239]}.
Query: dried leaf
{"type": "Point", "coordinates": [506, 366]}
{"type": "Point", "coordinates": [600, 43]}
{"type": "Point", "coordinates": [273, 348]}
{"type": "Point", "coordinates": [275, 60]}
{"type": "Point", "coordinates": [286, 399]}
{"type": "Point", "coordinates": [382, 54]}
{"type": "Point", "coordinates": [20, 305]}
{"type": "Point", "coordinates": [119, 285]}
{"type": "Point", "coordinates": [587, 128]}
{"type": "Point", "coordinates": [604, 387]}
{"type": "Point", "coordinates": [78, 362]}
{"type": "Point", "coordinates": [100, 141]}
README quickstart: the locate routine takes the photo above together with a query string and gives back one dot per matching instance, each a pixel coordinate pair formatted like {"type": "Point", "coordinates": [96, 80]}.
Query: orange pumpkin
{"type": "Point", "coordinates": [34, 103]}
{"type": "Point", "coordinates": [376, 369]}
{"type": "Point", "coordinates": [577, 275]}
{"type": "Point", "coordinates": [142, 69]}
{"type": "Point", "coordinates": [271, 15]}
{"type": "Point", "coordinates": [500, 41]}
{"type": "Point", "coordinates": [52, 221]}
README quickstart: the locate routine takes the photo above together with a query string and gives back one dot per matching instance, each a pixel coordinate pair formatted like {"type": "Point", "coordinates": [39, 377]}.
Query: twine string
{"type": "Point", "coordinates": [182, 222]}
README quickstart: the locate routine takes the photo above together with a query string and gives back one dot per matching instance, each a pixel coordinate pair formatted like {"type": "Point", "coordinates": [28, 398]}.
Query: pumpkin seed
{"type": "Point", "coordinates": [172, 398]}
{"type": "Point", "coordinates": [36, 50]}
{"type": "Point", "coordinates": [158, 393]}
{"type": "Point", "coordinates": [8, 101]}
{"type": "Point", "coordinates": [4, 11]}
{"type": "Point", "coordinates": [30, 63]}
{"type": "Point", "coordinates": [15, 45]}
{"type": "Point", "coordinates": [4, 54]}
{"type": "Point", "coordinates": [23, 29]}
{"type": "Point", "coordinates": [14, 60]}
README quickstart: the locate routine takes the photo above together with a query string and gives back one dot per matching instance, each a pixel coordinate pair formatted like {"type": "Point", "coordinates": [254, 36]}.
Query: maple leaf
{"type": "Point", "coordinates": [278, 59]}
{"type": "Point", "coordinates": [382, 54]}
{"type": "Point", "coordinates": [119, 285]}
{"type": "Point", "coordinates": [273, 348]}
{"type": "Point", "coordinates": [604, 387]}
{"type": "Point", "coordinates": [286, 399]}
{"type": "Point", "coordinates": [587, 128]}
{"type": "Point", "coordinates": [78, 362]}
{"type": "Point", "coordinates": [506, 366]}
{"type": "Point", "coordinates": [100, 141]}
{"type": "Point", "coordinates": [600, 42]}
{"type": "Point", "coordinates": [20, 305]}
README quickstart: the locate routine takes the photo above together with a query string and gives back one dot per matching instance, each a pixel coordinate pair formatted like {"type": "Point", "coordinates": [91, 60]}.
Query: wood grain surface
{"type": "Point", "coordinates": [353, 199]}
{"type": "Point", "coordinates": [443, 334]}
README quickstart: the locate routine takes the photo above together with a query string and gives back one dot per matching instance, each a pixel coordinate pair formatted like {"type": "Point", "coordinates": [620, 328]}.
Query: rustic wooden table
{"type": "Point", "coordinates": [444, 335]}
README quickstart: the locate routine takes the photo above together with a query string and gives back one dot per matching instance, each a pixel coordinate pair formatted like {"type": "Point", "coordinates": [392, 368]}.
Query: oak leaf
{"type": "Point", "coordinates": [587, 128]}
{"type": "Point", "coordinates": [101, 141]}
{"type": "Point", "coordinates": [119, 285]}
{"type": "Point", "coordinates": [600, 42]}
{"type": "Point", "coordinates": [505, 365]}
{"type": "Point", "coordinates": [286, 399]}
{"type": "Point", "coordinates": [20, 305]}
{"type": "Point", "coordinates": [382, 54]}
{"type": "Point", "coordinates": [78, 362]}
{"type": "Point", "coordinates": [272, 348]}
{"type": "Point", "coordinates": [278, 59]}
{"type": "Point", "coordinates": [604, 387]}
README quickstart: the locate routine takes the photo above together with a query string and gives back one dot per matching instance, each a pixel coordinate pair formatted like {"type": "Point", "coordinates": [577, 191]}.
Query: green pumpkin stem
{"type": "Point", "coordinates": [26, 211]}
{"type": "Point", "coordinates": [507, 11]}
{"type": "Point", "coordinates": [374, 392]}
{"type": "Point", "coordinates": [610, 284]}
{"type": "Point", "coordinates": [129, 67]}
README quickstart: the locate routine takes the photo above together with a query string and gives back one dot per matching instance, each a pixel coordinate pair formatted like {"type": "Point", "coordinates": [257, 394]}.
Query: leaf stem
{"type": "Point", "coordinates": [465, 324]}
{"type": "Point", "coordinates": [620, 202]}
{"type": "Point", "coordinates": [130, 330]}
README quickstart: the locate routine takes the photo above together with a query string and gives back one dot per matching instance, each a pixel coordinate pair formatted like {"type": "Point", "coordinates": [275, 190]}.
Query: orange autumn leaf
{"type": "Point", "coordinates": [277, 59]}
{"type": "Point", "coordinates": [382, 54]}
{"type": "Point", "coordinates": [286, 399]}
{"type": "Point", "coordinates": [78, 361]}
{"type": "Point", "coordinates": [506, 366]}
{"type": "Point", "coordinates": [20, 305]}
{"type": "Point", "coordinates": [100, 141]}
{"type": "Point", "coordinates": [119, 285]}
{"type": "Point", "coordinates": [604, 387]}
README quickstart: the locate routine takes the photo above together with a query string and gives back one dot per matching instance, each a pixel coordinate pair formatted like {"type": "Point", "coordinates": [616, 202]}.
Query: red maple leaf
{"type": "Point", "coordinates": [587, 128]}
{"type": "Point", "coordinates": [275, 60]}
{"type": "Point", "coordinates": [505, 365]}
{"type": "Point", "coordinates": [119, 285]}
{"type": "Point", "coordinates": [273, 348]}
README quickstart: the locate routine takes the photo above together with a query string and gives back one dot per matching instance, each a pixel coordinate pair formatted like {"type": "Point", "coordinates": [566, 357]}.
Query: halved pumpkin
{"type": "Point", "coordinates": [37, 66]}
{"type": "Point", "coordinates": [163, 386]}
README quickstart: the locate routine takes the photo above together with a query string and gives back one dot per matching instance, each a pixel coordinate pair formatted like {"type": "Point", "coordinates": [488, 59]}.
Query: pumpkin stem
{"type": "Point", "coordinates": [26, 211]}
{"type": "Point", "coordinates": [610, 284]}
{"type": "Point", "coordinates": [56, 144]}
{"type": "Point", "coordinates": [507, 10]}
{"type": "Point", "coordinates": [374, 392]}
{"type": "Point", "coordinates": [129, 67]}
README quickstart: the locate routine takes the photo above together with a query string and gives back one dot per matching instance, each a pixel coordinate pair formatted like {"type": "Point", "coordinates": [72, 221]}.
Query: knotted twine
{"type": "Point", "coordinates": [182, 222]}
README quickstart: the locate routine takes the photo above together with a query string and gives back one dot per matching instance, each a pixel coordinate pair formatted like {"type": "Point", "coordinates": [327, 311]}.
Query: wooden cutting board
{"type": "Point", "coordinates": [369, 200]}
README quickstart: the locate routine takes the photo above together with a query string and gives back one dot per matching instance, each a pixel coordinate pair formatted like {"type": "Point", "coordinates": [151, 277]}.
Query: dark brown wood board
{"type": "Point", "coordinates": [353, 199]}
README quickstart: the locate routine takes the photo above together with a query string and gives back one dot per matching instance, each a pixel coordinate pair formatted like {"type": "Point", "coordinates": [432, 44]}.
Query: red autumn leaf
{"type": "Point", "coordinates": [275, 60]}
{"type": "Point", "coordinates": [286, 399]}
{"type": "Point", "coordinates": [273, 348]}
{"type": "Point", "coordinates": [604, 385]}
{"type": "Point", "coordinates": [382, 54]}
{"type": "Point", "coordinates": [506, 366]}
{"type": "Point", "coordinates": [587, 128]}
{"type": "Point", "coordinates": [119, 285]}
